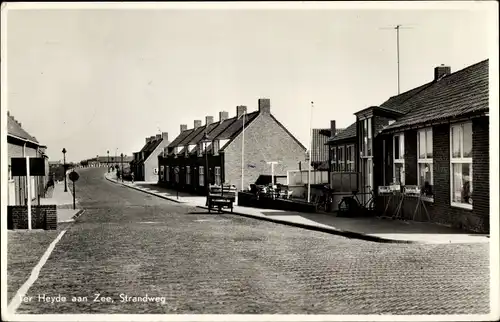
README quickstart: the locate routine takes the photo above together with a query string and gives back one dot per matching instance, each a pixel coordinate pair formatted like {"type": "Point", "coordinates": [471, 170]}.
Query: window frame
{"type": "Point", "coordinates": [341, 158]}
{"type": "Point", "coordinates": [217, 174]}
{"type": "Point", "coordinates": [188, 174]}
{"type": "Point", "coordinates": [401, 159]}
{"type": "Point", "coordinates": [425, 160]}
{"type": "Point", "coordinates": [162, 172]}
{"type": "Point", "coordinates": [334, 159]}
{"type": "Point", "coordinates": [216, 147]}
{"type": "Point", "coordinates": [350, 158]}
{"type": "Point", "coordinates": [201, 176]}
{"type": "Point", "coordinates": [461, 160]}
{"type": "Point", "coordinates": [176, 174]}
{"type": "Point", "coordinates": [167, 175]}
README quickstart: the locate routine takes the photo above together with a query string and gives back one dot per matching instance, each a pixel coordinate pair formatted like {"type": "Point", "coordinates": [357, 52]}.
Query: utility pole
{"type": "Point", "coordinates": [309, 156]}
{"type": "Point", "coordinates": [398, 27]}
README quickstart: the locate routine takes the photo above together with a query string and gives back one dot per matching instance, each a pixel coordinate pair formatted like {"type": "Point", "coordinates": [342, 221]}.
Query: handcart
{"type": "Point", "coordinates": [221, 196]}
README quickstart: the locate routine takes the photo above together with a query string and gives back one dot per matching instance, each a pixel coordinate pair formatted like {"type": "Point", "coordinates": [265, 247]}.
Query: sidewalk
{"type": "Point", "coordinates": [372, 229]}
{"type": "Point", "coordinates": [63, 201]}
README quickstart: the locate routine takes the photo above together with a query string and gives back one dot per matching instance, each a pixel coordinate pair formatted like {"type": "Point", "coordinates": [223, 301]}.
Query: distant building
{"type": "Point", "coordinates": [319, 147]}
{"type": "Point", "coordinates": [184, 162]}
{"type": "Point", "coordinates": [144, 164]}
{"type": "Point", "coordinates": [22, 144]}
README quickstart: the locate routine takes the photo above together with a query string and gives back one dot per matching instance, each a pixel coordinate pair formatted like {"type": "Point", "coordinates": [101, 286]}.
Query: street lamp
{"type": "Point", "coordinates": [206, 140]}
{"type": "Point", "coordinates": [64, 167]}
{"type": "Point", "coordinates": [122, 167]}
{"type": "Point", "coordinates": [108, 162]}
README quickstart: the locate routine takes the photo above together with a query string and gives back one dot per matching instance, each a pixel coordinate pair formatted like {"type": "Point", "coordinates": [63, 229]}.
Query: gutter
{"type": "Point", "coordinates": [26, 140]}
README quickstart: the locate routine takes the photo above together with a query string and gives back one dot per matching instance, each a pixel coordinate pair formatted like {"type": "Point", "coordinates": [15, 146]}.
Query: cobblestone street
{"type": "Point", "coordinates": [134, 244]}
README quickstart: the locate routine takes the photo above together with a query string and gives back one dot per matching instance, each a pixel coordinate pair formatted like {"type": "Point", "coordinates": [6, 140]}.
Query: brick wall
{"type": "Point", "coordinates": [42, 217]}
{"type": "Point", "coordinates": [265, 140]}
{"type": "Point", "coordinates": [440, 210]}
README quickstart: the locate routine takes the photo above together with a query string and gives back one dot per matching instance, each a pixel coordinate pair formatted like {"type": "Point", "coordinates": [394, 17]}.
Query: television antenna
{"type": "Point", "coordinates": [397, 28]}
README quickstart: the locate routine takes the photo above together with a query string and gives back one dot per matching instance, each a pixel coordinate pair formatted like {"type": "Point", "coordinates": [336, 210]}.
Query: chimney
{"type": "Point", "coordinates": [8, 113]}
{"type": "Point", "coordinates": [197, 124]}
{"type": "Point", "coordinates": [240, 110]}
{"type": "Point", "coordinates": [332, 128]}
{"type": "Point", "coordinates": [164, 136]}
{"type": "Point", "coordinates": [158, 136]}
{"type": "Point", "coordinates": [223, 116]}
{"type": "Point", "coordinates": [147, 140]}
{"type": "Point", "coordinates": [264, 105]}
{"type": "Point", "coordinates": [151, 138]}
{"type": "Point", "coordinates": [441, 71]}
{"type": "Point", "coordinates": [184, 127]}
{"type": "Point", "coordinates": [209, 120]}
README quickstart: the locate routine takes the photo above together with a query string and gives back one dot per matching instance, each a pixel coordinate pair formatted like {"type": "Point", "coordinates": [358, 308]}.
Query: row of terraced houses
{"type": "Point", "coordinates": [435, 136]}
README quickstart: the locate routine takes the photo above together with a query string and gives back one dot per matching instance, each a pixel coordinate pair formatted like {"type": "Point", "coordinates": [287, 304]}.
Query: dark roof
{"type": "Point", "coordinates": [460, 93]}
{"type": "Point", "coordinates": [192, 135]}
{"type": "Point", "coordinates": [348, 133]}
{"type": "Point", "coordinates": [395, 103]}
{"type": "Point", "coordinates": [197, 138]}
{"type": "Point", "coordinates": [14, 128]}
{"type": "Point", "coordinates": [236, 126]}
{"type": "Point", "coordinates": [179, 138]}
{"type": "Point", "coordinates": [221, 126]}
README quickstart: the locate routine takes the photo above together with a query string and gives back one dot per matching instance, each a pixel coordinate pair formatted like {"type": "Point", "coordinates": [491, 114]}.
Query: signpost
{"type": "Point", "coordinates": [73, 176]}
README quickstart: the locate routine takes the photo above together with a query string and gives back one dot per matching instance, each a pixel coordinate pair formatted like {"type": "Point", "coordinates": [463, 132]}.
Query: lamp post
{"type": "Point", "coordinates": [122, 166]}
{"type": "Point", "coordinates": [205, 140]}
{"type": "Point", "coordinates": [64, 167]}
{"type": "Point", "coordinates": [108, 162]}
{"type": "Point", "coordinates": [116, 156]}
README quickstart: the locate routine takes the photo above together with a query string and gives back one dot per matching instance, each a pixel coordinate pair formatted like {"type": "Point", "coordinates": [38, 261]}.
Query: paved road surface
{"type": "Point", "coordinates": [134, 244]}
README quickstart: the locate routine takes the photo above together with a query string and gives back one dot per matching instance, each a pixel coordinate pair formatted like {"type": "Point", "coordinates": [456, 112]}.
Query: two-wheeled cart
{"type": "Point", "coordinates": [220, 197]}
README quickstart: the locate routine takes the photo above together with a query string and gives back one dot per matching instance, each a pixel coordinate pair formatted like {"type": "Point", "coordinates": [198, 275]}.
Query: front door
{"type": "Point", "coordinates": [366, 185]}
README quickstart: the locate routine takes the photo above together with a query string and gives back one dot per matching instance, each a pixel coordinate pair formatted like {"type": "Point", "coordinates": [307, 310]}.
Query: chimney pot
{"type": "Point", "coordinates": [158, 136]}
{"type": "Point", "coordinates": [183, 127]}
{"type": "Point", "coordinates": [264, 105]}
{"type": "Point", "coordinates": [147, 140]}
{"type": "Point", "coordinates": [209, 120]}
{"type": "Point", "coordinates": [223, 115]}
{"type": "Point", "coordinates": [197, 123]}
{"type": "Point", "coordinates": [240, 110]}
{"type": "Point", "coordinates": [441, 71]}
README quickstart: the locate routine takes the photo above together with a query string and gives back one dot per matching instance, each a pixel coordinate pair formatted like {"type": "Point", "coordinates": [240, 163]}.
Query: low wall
{"type": "Point", "coordinates": [246, 199]}
{"type": "Point", "coordinates": [42, 217]}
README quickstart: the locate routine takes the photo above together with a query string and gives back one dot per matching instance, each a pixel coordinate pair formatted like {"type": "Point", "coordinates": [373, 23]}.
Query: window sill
{"type": "Point", "coordinates": [461, 205]}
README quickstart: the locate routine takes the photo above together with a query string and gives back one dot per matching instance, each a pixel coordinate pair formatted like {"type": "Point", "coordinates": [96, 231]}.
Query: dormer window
{"type": "Point", "coordinates": [178, 149]}
{"type": "Point", "coordinates": [191, 147]}
{"type": "Point", "coordinates": [216, 147]}
{"type": "Point", "coordinates": [222, 143]}
{"type": "Point", "coordinates": [200, 149]}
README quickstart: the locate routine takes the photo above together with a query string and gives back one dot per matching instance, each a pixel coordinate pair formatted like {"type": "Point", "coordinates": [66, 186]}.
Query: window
{"type": "Point", "coordinates": [202, 175]}
{"type": "Point", "coordinates": [334, 158]}
{"type": "Point", "coordinates": [461, 165]}
{"type": "Point", "coordinates": [188, 175]}
{"type": "Point", "coordinates": [10, 172]}
{"type": "Point", "coordinates": [216, 147]}
{"type": "Point", "coordinates": [366, 137]}
{"type": "Point", "coordinates": [341, 159]}
{"type": "Point", "coordinates": [168, 174]}
{"type": "Point", "coordinates": [399, 159]}
{"type": "Point", "coordinates": [350, 158]}
{"type": "Point", "coordinates": [200, 149]}
{"type": "Point", "coordinates": [217, 176]}
{"type": "Point", "coordinates": [425, 165]}
{"type": "Point", "coordinates": [176, 172]}
{"type": "Point", "coordinates": [162, 170]}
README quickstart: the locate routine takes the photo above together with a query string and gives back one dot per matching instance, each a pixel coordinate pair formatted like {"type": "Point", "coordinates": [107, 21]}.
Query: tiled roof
{"type": "Point", "coordinates": [197, 138]}
{"type": "Point", "coordinates": [460, 93]}
{"type": "Point", "coordinates": [349, 132]}
{"type": "Point", "coordinates": [221, 127]}
{"type": "Point", "coordinates": [191, 135]}
{"type": "Point", "coordinates": [180, 138]}
{"type": "Point", "coordinates": [15, 129]}
{"type": "Point", "coordinates": [236, 126]}
{"type": "Point", "coordinates": [395, 103]}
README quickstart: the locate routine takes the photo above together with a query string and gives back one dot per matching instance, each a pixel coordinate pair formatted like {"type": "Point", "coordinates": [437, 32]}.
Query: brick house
{"type": "Point", "coordinates": [218, 147]}
{"type": "Point", "coordinates": [144, 164]}
{"type": "Point", "coordinates": [436, 137]}
{"type": "Point", "coordinates": [21, 144]}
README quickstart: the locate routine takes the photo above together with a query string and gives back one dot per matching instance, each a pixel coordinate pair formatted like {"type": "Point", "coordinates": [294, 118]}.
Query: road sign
{"type": "Point", "coordinates": [176, 170]}
{"type": "Point", "coordinates": [73, 176]}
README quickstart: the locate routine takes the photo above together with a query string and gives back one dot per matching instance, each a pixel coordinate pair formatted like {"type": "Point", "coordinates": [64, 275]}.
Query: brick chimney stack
{"type": "Point", "coordinates": [209, 120]}
{"type": "Point", "coordinates": [441, 71]}
{"type": "Point", "coordinates": [264, 105]}
{"type": "Point", "coordinates": [240, 110]}
{"type": "Point", "coordinates": [158, 136]}
{"type": "Point", "coordinates": [197, 124]}
{"type": "Point", "coordinates": [223, 115]}
{"type": "Point", "coordinates": [332, 128]}
{"type": "Point", "coordinates": [164, 136]}
{"type": "Point", "coordinates": [184, 127]}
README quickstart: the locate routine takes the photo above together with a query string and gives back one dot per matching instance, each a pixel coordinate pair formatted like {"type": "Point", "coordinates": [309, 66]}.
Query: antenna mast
{"type": "Point", "coordinates": [398, 27]}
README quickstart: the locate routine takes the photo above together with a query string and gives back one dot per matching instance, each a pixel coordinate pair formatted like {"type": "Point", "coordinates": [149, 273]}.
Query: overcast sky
{"type": "Point", "coordinates": [97, 80]}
